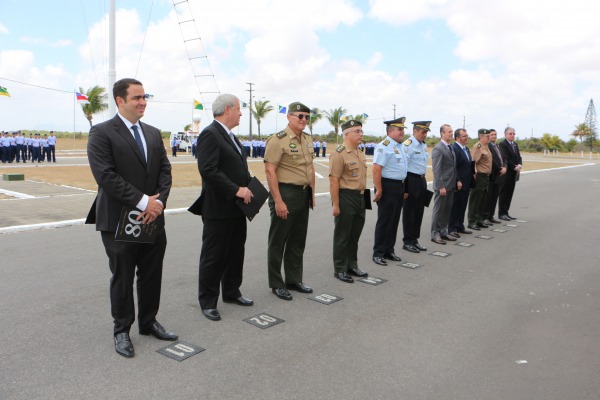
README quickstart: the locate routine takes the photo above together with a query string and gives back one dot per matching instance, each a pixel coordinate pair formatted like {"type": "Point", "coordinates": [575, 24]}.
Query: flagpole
{"type": "Point", "coordinates": [74, 106]}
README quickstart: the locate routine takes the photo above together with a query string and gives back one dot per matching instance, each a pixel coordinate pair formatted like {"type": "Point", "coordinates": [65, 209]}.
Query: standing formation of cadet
{"type": "Point", "coordinates": [415, 186]}
{"type": "Point", "coordinates": [481, 156]}
{"type": "Point", "coordinates": [443, 165]}
{"type": "Point", "coordinates": [347, 185]}
{"type": "Point", "coordinates": [514, 163]}
{"type": "Point", "coordinates": [51, 147]}
{"type": "Point", "coordinates": [389, 172]}
{"type": "Point", "coordinates": [291, 177]}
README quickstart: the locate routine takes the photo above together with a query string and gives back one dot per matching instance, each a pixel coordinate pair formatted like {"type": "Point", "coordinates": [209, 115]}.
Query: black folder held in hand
{"type": "Point", "coordinates": [260, 195]}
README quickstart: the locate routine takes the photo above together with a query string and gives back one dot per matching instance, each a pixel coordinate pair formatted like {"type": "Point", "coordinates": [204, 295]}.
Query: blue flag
{"type": "Point", "coordinates": [282, 109]}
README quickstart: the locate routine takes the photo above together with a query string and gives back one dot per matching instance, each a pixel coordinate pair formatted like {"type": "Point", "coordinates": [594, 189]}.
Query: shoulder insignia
{"type": "Point", "coordinates": [281, 134]}
{"type": "Point", "coordinates": [340, 148]}
{"type": "Point", "coordinates": [385, 142]}
{"type": "Point", "coordinates": [407, 142]}
{"type": "Point", "coordinates": [479, 145]}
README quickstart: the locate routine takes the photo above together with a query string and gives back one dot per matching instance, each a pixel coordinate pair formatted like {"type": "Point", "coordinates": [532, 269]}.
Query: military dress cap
{"type": "Point", "coordinates": [298, 107]}
{"type": "Point", "coordinates": [422, 125]}
{"type": "Point", "coordinates": [483, 131]}
{"type": "Point", "coordinates": [350, 124]}
{"type": "Point", "coordinates": [399, 122]}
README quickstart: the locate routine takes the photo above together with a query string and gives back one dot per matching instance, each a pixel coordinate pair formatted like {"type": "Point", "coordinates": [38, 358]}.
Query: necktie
{"type": "Point", "coordinates": [467, 152]}
{"type": "Point", "coordinates": [138, 140]}
{"type": "Point", "coordinates": [498, 154]}
{"type": "Point", "coordinates": [234, 142]}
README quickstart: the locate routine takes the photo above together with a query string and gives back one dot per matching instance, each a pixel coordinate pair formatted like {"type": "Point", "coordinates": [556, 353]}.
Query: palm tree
{"type": "Point", "coordinates": [581, 131]}
{"type": "Point", "coordinates": [315, 116]}
{"type": "Point", "coordinates": [260, 111]}
{"type": "Point", "coordinates": [187, 128]}
{"type": "Point", "coordinates": [361, 117]}
{"type": "Point", "coordinates": [334, 116]}
{"type": "Point", "coordinates": [97, 102]}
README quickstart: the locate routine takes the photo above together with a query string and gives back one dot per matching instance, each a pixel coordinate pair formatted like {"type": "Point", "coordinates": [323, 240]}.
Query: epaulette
{"type": "Point", "coordinates": [386, 142]}
{"type": "Point", "coordinates": [281, 134]}
{"type": "Point", "coordinates": [340, 148]}
{"type": "Point", "coordinates": [407, 142]}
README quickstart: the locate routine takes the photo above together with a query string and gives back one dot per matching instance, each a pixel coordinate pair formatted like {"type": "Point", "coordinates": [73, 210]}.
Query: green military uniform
{"type": "Point", "coordinates": [350, 167]}
{"type": "Point", "coordinates": [482, 157]}
{"type": "Point", "coordinates": [287, 237]}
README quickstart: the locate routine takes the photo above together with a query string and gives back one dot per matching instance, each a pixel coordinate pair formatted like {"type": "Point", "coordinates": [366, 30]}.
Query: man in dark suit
{"type": "Point", "coordinates": [464, 176]}
{"type": "Point", "coordinates": [444, 183]}
{"type": "Point", "coordinates": [513, 161]}
{"type": "Point", "coordinates": [130, 165]}
{"type": "Point", "coordinates": [496, 179]}
{"type": "Point", "coordinates": [225, 177]}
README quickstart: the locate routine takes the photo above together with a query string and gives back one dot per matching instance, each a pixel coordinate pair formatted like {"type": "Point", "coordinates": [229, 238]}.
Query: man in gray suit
{"type": "Point", "coordinates": [444, 183]}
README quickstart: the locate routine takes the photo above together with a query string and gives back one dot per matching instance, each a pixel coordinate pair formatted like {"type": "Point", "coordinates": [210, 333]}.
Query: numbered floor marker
{"type": "Point", "coordinates": [180, 350]}
{"type": "Point", "coordinates": [520, 221]}
{"type": "Point", "coordinates": [264, 321]}
{"type": "Point", "coordinates": [484, 237]}
{"type": "Point", "coordinates": [463, 244]}
{"type": "Point", "coordinates": [410, 265]}
{"type": "Point", "coordinates": [371, 280]}
{"type": "Point", "coordinates": [440, 254]}
{"type": "Point", "coordinates": [511, 225]}
{"type": "Point", "coordinates": [326, 298]}
{"type": "Point", "coordinates": [499, 230]}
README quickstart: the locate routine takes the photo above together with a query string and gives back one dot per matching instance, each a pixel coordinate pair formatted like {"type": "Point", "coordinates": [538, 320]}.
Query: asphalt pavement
{"type": "Point", "coordinates": [511, 317]}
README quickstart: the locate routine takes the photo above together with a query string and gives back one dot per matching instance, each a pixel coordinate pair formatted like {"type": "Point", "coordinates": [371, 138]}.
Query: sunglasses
{"type": "Point", "coordinates": [301, 116]}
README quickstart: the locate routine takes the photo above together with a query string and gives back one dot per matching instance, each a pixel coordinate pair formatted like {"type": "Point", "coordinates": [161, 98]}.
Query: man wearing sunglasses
{"type": "Point", "coordinates": [291, 177]}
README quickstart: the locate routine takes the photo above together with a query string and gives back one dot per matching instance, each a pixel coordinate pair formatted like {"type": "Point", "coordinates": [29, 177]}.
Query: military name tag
{"type": "Point", "coordinates": [410, 265]}
{"type": "Point", "coordinates": [499, 230]}
{"type": "Point", "coordinates": [180, 350]}
{"type": "Point", "coordinates": [440, 254]}
{"type": "Point", "coordinates": [511, 225]}
{"type": "Point", "coordinates": [483, 237]}
{"type": "Point", "coordinates": [264, 321]}
{"type": "Point", "coordinates": [371, 280]}
{"type": "Point", "coordinates": [463, 244]}
{"type": "Point", "coordinates": [326, 298]}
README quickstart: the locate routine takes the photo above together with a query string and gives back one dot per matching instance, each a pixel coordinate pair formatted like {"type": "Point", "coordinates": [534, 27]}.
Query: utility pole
{"type": "Point", "coordinates": [250, 107]}
{"type": "Point", "coordinates": [394, 111]}
{"type": "Point", "coordinates": [464, 119]}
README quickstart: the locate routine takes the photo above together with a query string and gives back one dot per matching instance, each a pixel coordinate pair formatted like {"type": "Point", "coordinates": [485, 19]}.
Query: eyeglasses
{"type": "Point", "coordinates": [301, 116]}
{"type": "Point", "coordinates": [357, 131]}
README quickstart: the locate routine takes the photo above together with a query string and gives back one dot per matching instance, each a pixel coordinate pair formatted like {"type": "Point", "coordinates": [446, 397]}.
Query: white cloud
{"type": "Point", "coordinates": [3, 29]}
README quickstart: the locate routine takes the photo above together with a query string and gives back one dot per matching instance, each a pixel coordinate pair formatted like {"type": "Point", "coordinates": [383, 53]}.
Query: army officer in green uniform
{"type": "Point", "coordinates": [347, 185]}
{"type": "Point", "coordinates": [291, 177]}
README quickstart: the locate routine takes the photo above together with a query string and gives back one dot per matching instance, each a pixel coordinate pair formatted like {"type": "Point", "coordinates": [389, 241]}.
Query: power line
{"type": "Point", "coordinates": [144, 40]}
{"type": "Point", "coordinates": [38, 86]}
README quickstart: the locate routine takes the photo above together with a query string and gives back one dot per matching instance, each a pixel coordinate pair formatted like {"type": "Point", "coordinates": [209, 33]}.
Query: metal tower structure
{"type": "Point", "coordinates": [208, 90]}
{"type": "Point", "coordinates": [591, 122]}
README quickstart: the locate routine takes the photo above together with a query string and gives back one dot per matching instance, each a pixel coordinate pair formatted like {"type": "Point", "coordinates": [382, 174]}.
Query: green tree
{"type": "Point", "coordinates": [551, 142]}
{"type": "Point", "coordinates": [315, 116]}
{"type": "Point", "coordinates": [187, 128]}
{"type": "Point", "coordinates": [334, 116]}
{"type": "Point", "coordinates": [581, 131]}
{"type": "Point", "coordinates": [97, 102]}
{"type": "Point", "coordinates": [260, 110]}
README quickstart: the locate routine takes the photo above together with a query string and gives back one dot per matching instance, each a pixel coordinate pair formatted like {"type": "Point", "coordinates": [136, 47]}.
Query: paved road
{"type": "Point", "coordinates": [452, 329]}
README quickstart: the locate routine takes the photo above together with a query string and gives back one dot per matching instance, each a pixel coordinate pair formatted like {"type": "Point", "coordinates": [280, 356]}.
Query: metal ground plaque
{"type": "Point", "coordinates": [326, 298]}
{"type": "Point", "coordinates": [440, 254]}
{"type": "Point", "coordinates": [264, 321]}
{"type": "Point", "coordinates": [463, 244]}
{"type": "Point", "coordinates": [371, 280]}
{"type": "Point", "coordinates": [520, 221]}
{"type": "Point", "coordinates": [484, 237]}
{"type": "Point", "coordinates": [410, 265]}
{"type": "Point", "coordinates": [180, 350]}
{"type": "Point", "coordinates": [511, 225]}
{"type": "Point", "coordinates": [499, 230]}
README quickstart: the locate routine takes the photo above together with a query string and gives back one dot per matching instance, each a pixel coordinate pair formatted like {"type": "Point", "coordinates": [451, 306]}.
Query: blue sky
{"type": "Point", "coordinates": [519, 62]}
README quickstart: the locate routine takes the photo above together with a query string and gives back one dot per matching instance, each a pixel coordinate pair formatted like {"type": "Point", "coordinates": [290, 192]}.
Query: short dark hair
{"type": "Point", "coordinates": [120, 87]}
{"type": "Point", "coordinates": [458, 132]}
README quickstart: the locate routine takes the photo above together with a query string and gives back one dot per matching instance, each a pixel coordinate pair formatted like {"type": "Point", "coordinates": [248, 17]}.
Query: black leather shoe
{"type": "Point", "coordinates": [494, 221]}
{"type": "Point", "coordinates": [438, 241]}
{"type": "Point", "coordinates": [379, 260]}
{"type": "Point", "coordinates": [300, 287]}
{"type": "Point", "coordinates": [421, 248]}
{"type": "Point", "coordinates": [454, 235]}
{"type": "Point", "coordinates": [449, 238]}
{"type": "Point", "coordinates": [411, 248]}
{"type": "Point", "coordinates": [510, 216]}
{"type": "Point", "coordinates": [123, 345]}
{"type": "Point", "coordinates": [282, 293]}
{"type": "Point", "coordinates": [392, 257]}
{"type": "Point", "coordinates": [159, 332]}
{"type": "Point", "coordinates": [504, 218]}
{"type": "Point", "coordinates": [465, 231]}
{"type": "Point", "coordinates": [482, 225]}
{"type": "Point", "coordinates": [344, 277]}
{"type": "Point", "coordinates": [212, 314]}
{"type": "Point", "coordinates": [240, 301]}
{"type": "Point", "coordinates": [474, 227]}
{"type": "Point", "coordinates": [358, 272]}
{"type": "Point", "coordinates": [487, 222]}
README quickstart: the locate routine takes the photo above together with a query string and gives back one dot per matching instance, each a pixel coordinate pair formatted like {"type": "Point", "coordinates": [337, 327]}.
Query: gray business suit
{"type": "Point", "coordinates": [444, 176]}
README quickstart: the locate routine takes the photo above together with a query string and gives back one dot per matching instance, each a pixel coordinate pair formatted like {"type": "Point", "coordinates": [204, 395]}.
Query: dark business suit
{"type": "Point", "coordinates": [223, 170]}
{"type": "Point", "coordinates": [494, 183]}
{"type": "Point", "coordinates": [444, 176]}
{"type": "Point", "coordinates": [464, 175]}
{"type": "Point", "coordinates": [512, 158]}
{"type": "Point", "coordinates": [123, 177]}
